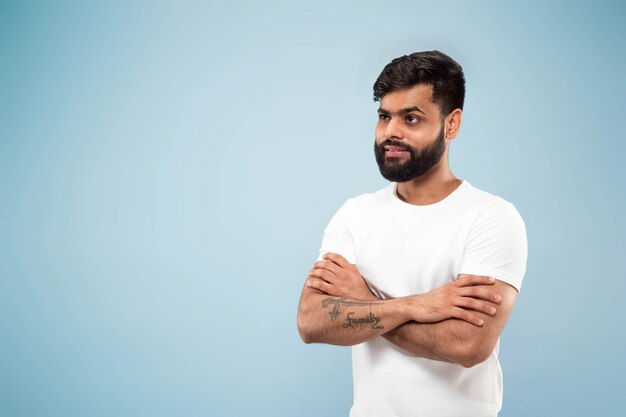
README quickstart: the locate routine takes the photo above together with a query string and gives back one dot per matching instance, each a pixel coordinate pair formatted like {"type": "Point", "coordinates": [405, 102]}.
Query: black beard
{"type": "Point", "coordinates": [418, 163]}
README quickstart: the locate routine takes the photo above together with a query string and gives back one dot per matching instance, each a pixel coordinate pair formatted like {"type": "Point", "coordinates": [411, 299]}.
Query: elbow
{"type": "Point", "coordinates": [475, 353]}
{"type": "Point", "coordinates": [470, 361]}
{"type": "Point", "coordinates": [306, 338]}
{"type": "Point", "coordinates": [305, 335]}
{"type": "Point", "coordinates": [304, 329]}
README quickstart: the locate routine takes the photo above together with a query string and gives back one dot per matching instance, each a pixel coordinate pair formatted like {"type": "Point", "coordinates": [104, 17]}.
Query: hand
{"type": "Point", "coordinates": [456, 300]}
{"type": "Point", "coordinates": [337, 277]}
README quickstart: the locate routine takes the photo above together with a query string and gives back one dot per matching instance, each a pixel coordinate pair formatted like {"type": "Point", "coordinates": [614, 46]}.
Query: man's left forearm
{"type": "Point", "coordinates": [454, 340]}
{"type": "Point", "coordinates": [450, 340]}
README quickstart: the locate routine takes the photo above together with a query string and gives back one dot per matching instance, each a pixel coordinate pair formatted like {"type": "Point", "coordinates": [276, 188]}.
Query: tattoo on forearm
{"type": "Point", "coordinates": [363, 320]}
{"type": "Point", "coordinates": [350, 321]}
{"type": "Point", "coordinates": [339, 302]}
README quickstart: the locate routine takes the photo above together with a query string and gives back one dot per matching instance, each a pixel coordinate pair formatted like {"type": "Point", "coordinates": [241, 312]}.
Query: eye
{"type": "Point", "coordinates": [382, 117]}
{"type": "Point", "coordinates": [412, 119]}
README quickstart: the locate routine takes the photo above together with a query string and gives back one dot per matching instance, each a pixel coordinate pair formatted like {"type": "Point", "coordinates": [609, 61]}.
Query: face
{"type": "Point", "coordinates": [410, 135]}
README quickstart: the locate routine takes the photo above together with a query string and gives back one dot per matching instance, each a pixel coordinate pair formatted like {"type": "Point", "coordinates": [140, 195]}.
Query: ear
{"type": "Point", "coordinates": [453, 123]}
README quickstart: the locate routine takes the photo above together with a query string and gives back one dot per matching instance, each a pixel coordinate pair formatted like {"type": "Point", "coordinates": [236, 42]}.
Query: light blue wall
{"type": "Point", "coordinates": [168, 168]}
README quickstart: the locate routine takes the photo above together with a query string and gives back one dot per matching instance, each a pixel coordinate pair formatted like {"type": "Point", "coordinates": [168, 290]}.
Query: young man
{"type": "Point", "coordinates": [421, 276]}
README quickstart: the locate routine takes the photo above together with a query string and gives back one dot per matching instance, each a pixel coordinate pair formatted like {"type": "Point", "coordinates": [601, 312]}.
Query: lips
{"type": "Point", "coordinates": [395, 151]}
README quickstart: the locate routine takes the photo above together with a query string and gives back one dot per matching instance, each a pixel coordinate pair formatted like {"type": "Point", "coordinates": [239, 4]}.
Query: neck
{"type": "Point", "coordinates": [430, 188]}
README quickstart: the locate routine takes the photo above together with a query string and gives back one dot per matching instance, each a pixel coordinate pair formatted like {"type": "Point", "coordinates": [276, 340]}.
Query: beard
{"type": "Point", "coordinates": [419, 162]}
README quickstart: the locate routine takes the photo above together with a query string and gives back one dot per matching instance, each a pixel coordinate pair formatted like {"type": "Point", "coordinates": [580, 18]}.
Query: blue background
{"type": "Point", "coordinates": [167, 170]}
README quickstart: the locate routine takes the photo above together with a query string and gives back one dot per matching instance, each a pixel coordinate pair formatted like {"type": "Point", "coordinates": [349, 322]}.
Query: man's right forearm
{"type": "Point", "coordinates": [338, 321]}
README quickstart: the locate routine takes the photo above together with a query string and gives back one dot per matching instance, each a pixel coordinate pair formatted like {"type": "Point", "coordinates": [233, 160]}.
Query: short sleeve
{"type": "Point", "coordinates": [496, 245]}
{"type": "Point", "coordinates": [337, 237]}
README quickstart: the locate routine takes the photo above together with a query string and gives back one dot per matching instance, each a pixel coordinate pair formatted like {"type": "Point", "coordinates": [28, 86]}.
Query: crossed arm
{"type": "Point", "coordinates": [459, 322]}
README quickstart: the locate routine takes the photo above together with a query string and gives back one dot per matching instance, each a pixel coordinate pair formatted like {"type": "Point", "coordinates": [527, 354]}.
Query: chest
{"type": "Point", "coordinates": [409, 255]}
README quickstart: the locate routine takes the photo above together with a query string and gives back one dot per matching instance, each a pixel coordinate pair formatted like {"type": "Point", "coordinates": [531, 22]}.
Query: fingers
{"type": "Point", "coordinates": [480, 293]}
{"type": "Point", "coordinates": [338, 259]}
{"type": "Point", "coordinates": [322, 273]}
{"type": "Point", "coordinates": [328, 265]}
{"type": "Point", "coordinates": [326, 270]}
{"type": "Point", "coordinates": [465, 280]}
{"type": "Point", "coordinates": [465, 315]}
{"type": "Point", "coordinates": [473, 304]}
{"type": "Point", "coordinates": [320, 284]}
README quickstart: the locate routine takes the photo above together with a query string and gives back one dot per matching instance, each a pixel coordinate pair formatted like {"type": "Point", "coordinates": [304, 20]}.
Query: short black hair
{"type": "Point", "coordinates": [431, 68]}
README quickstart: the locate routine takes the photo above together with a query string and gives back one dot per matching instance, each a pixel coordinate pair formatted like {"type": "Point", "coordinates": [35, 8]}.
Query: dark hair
{"type": "Point", "coordinates": [428, 67]}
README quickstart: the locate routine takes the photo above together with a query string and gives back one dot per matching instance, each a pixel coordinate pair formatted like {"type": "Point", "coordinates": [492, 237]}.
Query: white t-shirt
{"type": "Point", "coordinates": [404, 249]}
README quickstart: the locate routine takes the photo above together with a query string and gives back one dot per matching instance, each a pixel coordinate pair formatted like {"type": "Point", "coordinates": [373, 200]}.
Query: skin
{"type": "Point", "coordinates": [418, 129]}
{"type": "Point", "coordinates": [459, 322]}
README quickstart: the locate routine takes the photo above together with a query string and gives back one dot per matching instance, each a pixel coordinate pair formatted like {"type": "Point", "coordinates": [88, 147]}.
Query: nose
{"type": "Point", "coordinates": [393, 129]}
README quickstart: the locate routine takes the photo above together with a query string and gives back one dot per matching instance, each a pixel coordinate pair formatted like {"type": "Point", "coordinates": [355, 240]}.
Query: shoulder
{"type": "Point", "coordinates": [367, 201]}
{"type": "Point", "coordinates": [487, 205]}
{"type": "Point", "coordinates": [482, 198]}
{"type": "Point", "coordinates": [372, 197]}
{"type": "Point", "coordinates": [496, 244]}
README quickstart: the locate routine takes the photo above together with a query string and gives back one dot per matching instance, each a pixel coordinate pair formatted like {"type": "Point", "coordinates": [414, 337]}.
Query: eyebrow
{"type": "Point", "coordinates": [401, 112]}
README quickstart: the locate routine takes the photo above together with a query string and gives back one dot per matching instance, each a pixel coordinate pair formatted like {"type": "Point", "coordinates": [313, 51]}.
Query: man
{"type": "Point", "coordinates": [421, 276]}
